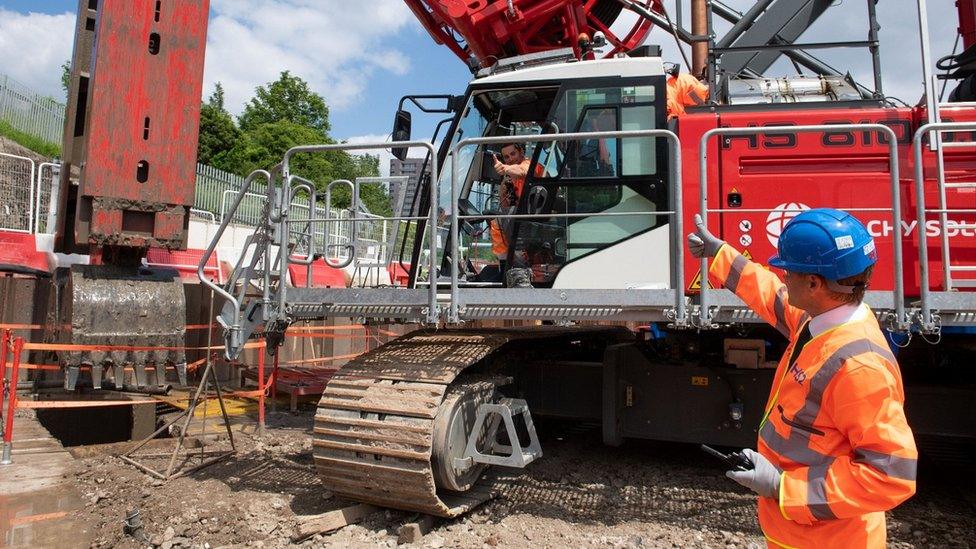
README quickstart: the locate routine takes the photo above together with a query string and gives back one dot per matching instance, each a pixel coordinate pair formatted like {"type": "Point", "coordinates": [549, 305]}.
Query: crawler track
{"type": "Point", "coordinates": [374, 427]}
{"type": "Point", "coordinates": [377, 438]}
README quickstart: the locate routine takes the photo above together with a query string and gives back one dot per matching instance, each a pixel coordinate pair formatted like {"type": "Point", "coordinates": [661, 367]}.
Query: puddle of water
{"type": "Point", "coordinates": [42, 518]}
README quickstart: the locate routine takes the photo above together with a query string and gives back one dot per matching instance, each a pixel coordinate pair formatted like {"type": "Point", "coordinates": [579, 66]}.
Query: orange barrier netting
{"type": "Point", "coordinates": [20, 521]}
{"type": "Point", "coordinates": [38, 404]}
{"type": "Point", "coordinates": [22, 326]}
{"type": "Point", "coordinates": [79, 347]}
{"type": "Point", "coordinates": [55, 367]}
{"type": "Point", "coordinates": [264, 385]}
{"type": "Point", "coordinates": [68, 326]}
{"type": "Point", "coordinates": [322, 359]}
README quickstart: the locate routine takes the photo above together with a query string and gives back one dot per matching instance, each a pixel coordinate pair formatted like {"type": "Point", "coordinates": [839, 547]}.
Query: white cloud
{"type": "Point", "coordinates": [337, 46]}
{"type": "Point", "coordinates": [33, 46]}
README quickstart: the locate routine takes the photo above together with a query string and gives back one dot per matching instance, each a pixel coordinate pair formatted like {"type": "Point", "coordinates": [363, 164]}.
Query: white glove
{"type": "Point", "coordinates": [762, 479]}
{"type": "Point", "coordinates": [701, 242]}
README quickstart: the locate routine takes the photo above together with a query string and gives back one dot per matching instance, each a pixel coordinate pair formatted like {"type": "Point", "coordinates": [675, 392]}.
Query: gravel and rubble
{"type": "Point", "coordinates": [580, 494]}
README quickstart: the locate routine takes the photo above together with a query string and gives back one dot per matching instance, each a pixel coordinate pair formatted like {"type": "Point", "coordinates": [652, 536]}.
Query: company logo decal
{"type": "Point", "coordinates": [779, 217]}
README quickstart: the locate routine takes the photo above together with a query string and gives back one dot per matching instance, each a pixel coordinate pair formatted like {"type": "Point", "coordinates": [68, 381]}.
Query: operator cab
{"type": "Point", "coordinates": [589, 195]}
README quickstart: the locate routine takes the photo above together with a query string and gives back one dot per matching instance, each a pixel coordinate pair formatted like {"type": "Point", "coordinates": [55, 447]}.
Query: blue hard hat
{"type": "Point", "coordinates": [824, 241]}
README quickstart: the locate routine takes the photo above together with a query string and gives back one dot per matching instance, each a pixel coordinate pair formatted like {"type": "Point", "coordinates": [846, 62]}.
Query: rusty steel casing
{"type": "Point", "coordinates": [132, 122]}
{"type": "Point", "coordinates": [124, 307]}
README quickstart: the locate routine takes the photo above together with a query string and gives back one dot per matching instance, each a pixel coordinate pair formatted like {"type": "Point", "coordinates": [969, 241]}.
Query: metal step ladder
{"type": "Point", "coordinates": [492, 416]}
{"type": "Point", "coordinates": [950, 272]}
{"type": "Point", "coordinates": [935, 111]}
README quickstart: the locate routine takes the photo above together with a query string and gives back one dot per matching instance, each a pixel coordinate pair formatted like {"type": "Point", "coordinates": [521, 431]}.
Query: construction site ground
{"type": "Point", "coordinates": [580, 494]}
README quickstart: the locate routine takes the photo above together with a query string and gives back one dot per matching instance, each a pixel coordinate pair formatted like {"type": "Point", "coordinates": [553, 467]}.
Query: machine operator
{"type": "Point", "coordinates": [513, 166]}
{"type": "Point", "coordinates": [684, 90]}
{"type": "Point", "coordinates": [835, 448]}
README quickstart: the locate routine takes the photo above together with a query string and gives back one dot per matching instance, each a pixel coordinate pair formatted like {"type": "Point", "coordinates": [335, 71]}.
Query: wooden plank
{"type": "Point", "coordinates": [309, 525]}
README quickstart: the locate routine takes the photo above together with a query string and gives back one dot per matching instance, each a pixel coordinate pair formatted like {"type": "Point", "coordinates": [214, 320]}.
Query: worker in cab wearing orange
{"type": "Point", "coordinates": [683, 89]}
{"type": "Point", "coordinates": [513, 166]}
{"type": "Point", "coordinates": [835, 448]}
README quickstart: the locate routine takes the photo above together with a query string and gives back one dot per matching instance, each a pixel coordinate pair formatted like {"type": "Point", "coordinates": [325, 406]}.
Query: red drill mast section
{"type": "Point", "coordinates": [489, 30]}
{"type": "Point", "coordinates": [967, 22]}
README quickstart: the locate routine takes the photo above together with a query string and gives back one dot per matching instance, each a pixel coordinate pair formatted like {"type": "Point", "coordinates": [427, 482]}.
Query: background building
{"type": "Point", "coordinates": [410, 167]}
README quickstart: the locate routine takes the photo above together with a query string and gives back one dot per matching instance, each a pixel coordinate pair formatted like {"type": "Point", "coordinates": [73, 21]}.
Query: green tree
{"type": "Point", "coordinates": [218, 133]}
{"type": "Point", "coordinates": [66, 76]}
{"type": "Point", "coordinates": [263, 146]}
{"type": "Point", "coordinates": [287, 99]}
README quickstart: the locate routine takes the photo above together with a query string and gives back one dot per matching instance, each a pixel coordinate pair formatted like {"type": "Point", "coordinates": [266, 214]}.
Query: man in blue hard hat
{"type": "Point", "coordinates": [835, 450]}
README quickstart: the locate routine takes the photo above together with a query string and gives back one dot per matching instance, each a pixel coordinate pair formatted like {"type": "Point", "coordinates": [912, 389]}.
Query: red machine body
{"type": "Point", "coordinates": [967, 22]}
{"type": "Point", "coordinates": [133, 124]}
{"type": "Point", "coordinates": [491, 30]}
{"type": "Point", "coordinates": [843, 169]}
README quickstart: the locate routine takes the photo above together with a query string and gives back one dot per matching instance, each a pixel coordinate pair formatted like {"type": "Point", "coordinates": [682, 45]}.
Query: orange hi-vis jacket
{"type": "Point", "coordinates": [834, 423]}
{"type": "Point", "coordinates": [499, 240]}
{"type": "Point", "coordinates": [684, 90]}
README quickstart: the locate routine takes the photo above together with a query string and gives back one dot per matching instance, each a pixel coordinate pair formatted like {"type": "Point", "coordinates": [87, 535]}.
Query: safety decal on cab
{"type": "Point", "coordinates": [696, 282]}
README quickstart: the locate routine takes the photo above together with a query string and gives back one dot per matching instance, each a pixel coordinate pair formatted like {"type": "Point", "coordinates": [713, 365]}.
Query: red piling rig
{"type": "Point", "coordinates": [489, 30]}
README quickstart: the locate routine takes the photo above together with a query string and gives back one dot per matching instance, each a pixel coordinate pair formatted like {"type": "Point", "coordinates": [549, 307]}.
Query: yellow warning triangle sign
{"type": "Point", "coordinates": [696, 282]}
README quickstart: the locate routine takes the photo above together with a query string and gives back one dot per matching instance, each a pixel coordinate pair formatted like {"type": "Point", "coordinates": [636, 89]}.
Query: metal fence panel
{"type": "Point", "coordinates": [30, 112]}
{"type": "Point", "coordinates": [16, 193]}
{"type": "Point", "coordinates": [48, 181]}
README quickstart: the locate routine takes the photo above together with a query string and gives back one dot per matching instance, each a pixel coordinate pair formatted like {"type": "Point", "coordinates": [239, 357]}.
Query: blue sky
{"type": "Point", "coordinates": [363, 55]}
{"type": "Point", "coordinates": [361, 105]}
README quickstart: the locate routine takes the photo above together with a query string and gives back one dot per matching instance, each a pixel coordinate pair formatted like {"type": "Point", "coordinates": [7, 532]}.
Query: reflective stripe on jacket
{"type": "Point", "coordinates": [834, 422]}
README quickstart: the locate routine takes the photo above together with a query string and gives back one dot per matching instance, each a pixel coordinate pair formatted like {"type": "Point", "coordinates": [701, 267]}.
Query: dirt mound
{"type": "Point", "coordinates": [10, 147]}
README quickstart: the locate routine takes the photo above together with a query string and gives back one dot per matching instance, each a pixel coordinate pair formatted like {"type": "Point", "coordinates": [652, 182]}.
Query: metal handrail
{"type": "Point", "coordinates": [935, 128]}
{"type": "Point", "coordinates": [204, 213]}
{"type": "Point", "coordinates": [228, 192]}
{"type": "Point", "coordinates": [901, 322]}
{"type": "Point", "coordinates": [233, 331]}
{"type": "Point", "coordinates": [674, 187]}
{"type": "Point", "coordinates": [309, 187]}
{"type": "Point", "coordinates": [354, 206]}
{"type": "Point", "coordinates": [433, 312]}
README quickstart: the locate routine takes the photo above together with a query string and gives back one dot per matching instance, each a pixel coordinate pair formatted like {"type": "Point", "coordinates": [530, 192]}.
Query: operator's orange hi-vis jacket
{"type": "Point", "coordinates": [834, 423]}
{"type": "Point", "coordinates": [499, 241]}
{"type": "Point", "coordinates": [684, 90]}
